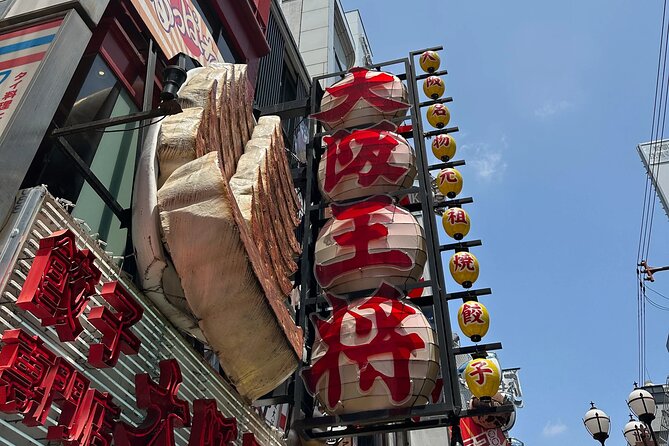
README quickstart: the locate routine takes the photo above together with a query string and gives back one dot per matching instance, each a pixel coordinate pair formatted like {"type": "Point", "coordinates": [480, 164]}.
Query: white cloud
{"type": "Point", "coordinates": [553, 429]}
{"type": "Point", "coordinates": [551, 108]}
{"type": "Point", "coordinates": [487, 160]}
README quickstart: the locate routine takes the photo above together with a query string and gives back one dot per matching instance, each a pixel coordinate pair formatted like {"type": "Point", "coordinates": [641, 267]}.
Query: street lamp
{"type": "Point", "coordinates": [597, 423]}
{"type": "Point", "coordinates": [636, 433]}
{"type": "Point", "coordinates": [642, 404]}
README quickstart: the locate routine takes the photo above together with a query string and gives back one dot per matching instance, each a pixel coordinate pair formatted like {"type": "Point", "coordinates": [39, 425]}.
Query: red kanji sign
{"type": "Point", "coordinates": [115, 327]}
{"type": "Point", "coordinates": [88, 423]}
{"type": "Point", "coordinates": [472, 313]}
{"type": "Point", "coordinates": [463, 261]}
{"type": "Point", "coordinates": [456, 215]}
{"type": "Point", "coordinates": [32, 378]}
{"type": "Point", "coordinates": [359, 225]}
{"type": "Point", "coordinates": [364, 155]}
{"type": "Point", "coordinates": [480, 370]}
{"type": "Point", "coordinates": [365, 85]}
{"type": "Point", "coordinates": [475, 435]}
{"type": "Point", "coordinates": [249, 440]}
{"type": "Point", "coordinates": [210, 427]}
{"type": "Point", "coordinates": [164, 409]}
{"type": "Point", "coordinates": [379, 334]}
{"type": "Point", "coordinates": [59, 285]}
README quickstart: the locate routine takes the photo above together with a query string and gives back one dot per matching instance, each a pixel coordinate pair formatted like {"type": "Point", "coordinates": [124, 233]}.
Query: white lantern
{"type": "Point", "coordinates": [365, 162]}
{"type": "Point", "coordinates": [374, 353]}
{"type": "Point", "coordinates": [362, 98]}
{"type": "Point", "coordinates": [367, 243]}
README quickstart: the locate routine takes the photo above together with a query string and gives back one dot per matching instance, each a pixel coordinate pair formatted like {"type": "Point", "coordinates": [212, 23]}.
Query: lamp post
{"type": "Point", "coordinates": [597, 422]}
{"type": "Point", "coordinates": [637, 433]}
{"type": "Point", "coordinates": [642, 404]}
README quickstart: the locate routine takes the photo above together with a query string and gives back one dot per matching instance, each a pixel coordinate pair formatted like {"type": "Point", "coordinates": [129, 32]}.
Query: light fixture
{"type": "Point", "coordinates": [642, 404]}
{"type": "Point", "coordinates": [598, 423]}
{"type": "Point", "coordinates": [173, 78]}
{"type": "Point", "coordinates": [636, 433]}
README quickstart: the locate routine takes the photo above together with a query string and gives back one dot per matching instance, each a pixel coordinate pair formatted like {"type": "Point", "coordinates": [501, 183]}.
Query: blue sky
{"type": "Point", "coordinates": [551, 99]}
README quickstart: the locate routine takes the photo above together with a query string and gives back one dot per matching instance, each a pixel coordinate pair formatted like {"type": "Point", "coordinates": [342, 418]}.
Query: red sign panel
{"type": "Point", "coordinates": [164, 409]}
{"type": "Point", "coordinates": [60, 283]}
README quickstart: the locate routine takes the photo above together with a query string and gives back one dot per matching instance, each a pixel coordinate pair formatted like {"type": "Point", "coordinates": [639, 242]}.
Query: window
{"type": "Point", "coordinates": [110, 156]}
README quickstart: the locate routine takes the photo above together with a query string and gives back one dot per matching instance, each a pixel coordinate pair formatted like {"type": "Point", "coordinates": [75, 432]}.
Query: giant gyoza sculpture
{"type": "Point", "coordinates": [214, 214]}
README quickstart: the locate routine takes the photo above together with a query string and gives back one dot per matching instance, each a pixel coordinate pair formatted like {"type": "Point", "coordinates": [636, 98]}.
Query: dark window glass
{"type": "Point", "coordinates": [110, 155]}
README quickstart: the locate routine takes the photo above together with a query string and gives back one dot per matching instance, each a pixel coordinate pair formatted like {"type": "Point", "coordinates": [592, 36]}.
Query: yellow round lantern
{"type": "Point", "coordinates": [438, 115]}
{"type": "Point", "coordinates": [434, 87]}
{"type": "Point", "coordinates": [464, 268]}
{"type": "Point", "coordinates": [443, 147]}
{"type": "Point", "coordinates": [456, 223]}
{"type": "Point", "coordinates": [474, 320]}
{"type": "Point", "coordinates": [430, 61]}
{"type": "Point", "coordinates": [449, 182]}
{"type": "Point", "coordinates": [483, 378]}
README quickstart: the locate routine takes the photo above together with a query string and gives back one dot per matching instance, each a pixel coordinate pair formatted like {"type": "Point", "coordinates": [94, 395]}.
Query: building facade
{"type": "Point", "coordinates": [66, 63]}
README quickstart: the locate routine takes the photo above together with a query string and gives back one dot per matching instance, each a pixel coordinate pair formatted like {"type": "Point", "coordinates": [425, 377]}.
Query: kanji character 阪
{"type": "Point", "coordinates": [114, 326]}
{"type": "Point", "coordinates": [164, 409]}
{"type": "Point", "coordinates": [383, 329]}
{"type": "Point", "coordinates": [480, 371]}
{"type": "Point", "coordinates": [357, 226]}
{"type": "Point", "coordinates": [59, 284]}
{"type": "Point", "coordinates": [363, 154]}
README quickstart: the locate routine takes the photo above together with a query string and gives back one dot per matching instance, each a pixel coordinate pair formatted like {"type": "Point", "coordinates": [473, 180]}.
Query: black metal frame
{"type": "Point", "coordinates": [448, 411]}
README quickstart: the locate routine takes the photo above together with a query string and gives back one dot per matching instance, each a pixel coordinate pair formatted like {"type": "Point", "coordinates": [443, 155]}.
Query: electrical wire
{"type": "Point", "coordinates": [650, 194]}
{"type": "Point", "coordinates": [657, 292]}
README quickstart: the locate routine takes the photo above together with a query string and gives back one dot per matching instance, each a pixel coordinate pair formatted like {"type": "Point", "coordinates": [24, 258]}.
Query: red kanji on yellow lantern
{"type": "Point", "coordinates": [456, 223]}
{"type": "Point", "coordinates": [483, 378]}
{"type": "Point", "coordinates": [443, 147]}
{"type": "Point", "coordinates": [430, 61]}
{"type": "Point", "coordinates": [438, 115]}
{"type": "Point", "coordinates": [464, 268]}
{"type": "Point", "coordinates": [434, 87]}
{"type": "Point", "coordinates": [474, 320]}
{"type": "Point", "coordinates": [449, 182]}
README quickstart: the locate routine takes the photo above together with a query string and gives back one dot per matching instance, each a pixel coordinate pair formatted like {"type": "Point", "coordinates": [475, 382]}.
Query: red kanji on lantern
{"type": "Point", "coordinates": [471, 313]}
{"type": "Point", "coordinates": [463, 262]}
{"type": "Point", "coordinates": [164, 409]}
{"type": "Point", "coordinates": [59, 285]}
{"type": "Point", "coordinates": [362, 154]}
{"type": "Point", "coordinates": [480, 370]}
{"type": "Point", "coordinates": [88, 423]}
{"type": "Point", "coordinates": [114, 326]}
{"type": "Point", "coordinates": [456, 216]}
{"type": "Point", "coordinates": [210, 427]}
{"type": "Point", "coordinates": [383, 338]}
{"type": "Point", "coordinates": [361, 84]}
{"type": "Point", "coordinates": [359, 227]}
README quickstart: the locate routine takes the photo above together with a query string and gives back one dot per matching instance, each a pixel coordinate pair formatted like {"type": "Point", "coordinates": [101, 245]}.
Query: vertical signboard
{"type": "Point", "coordinates": [21, 52]}
{"type": "Point", "coordinates": [178, 28]}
